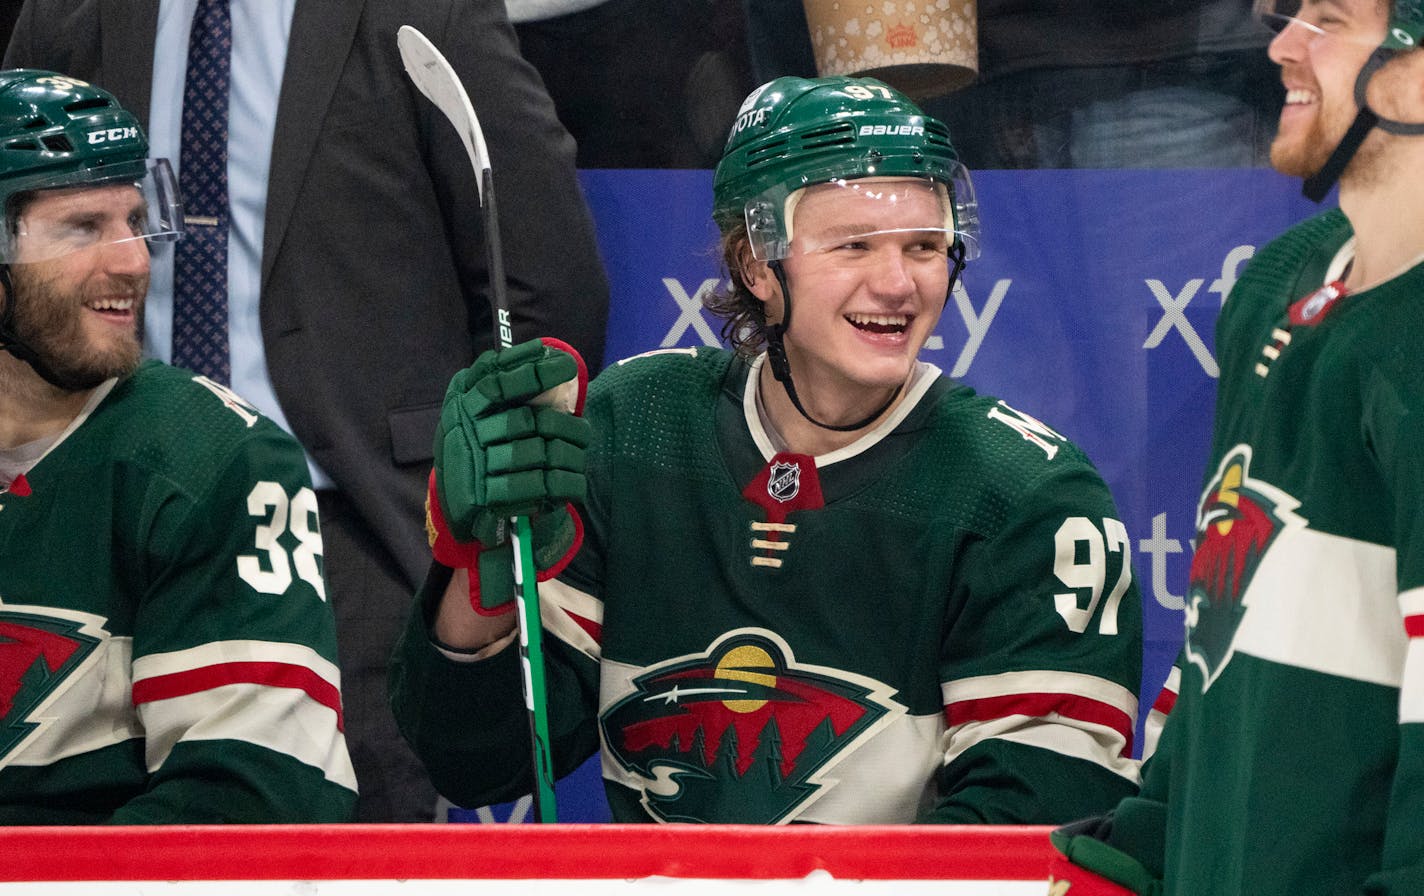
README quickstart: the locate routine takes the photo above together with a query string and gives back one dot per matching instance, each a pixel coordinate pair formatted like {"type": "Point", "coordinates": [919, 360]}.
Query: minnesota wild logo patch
{"type": "Point", "coordinates": [1238, 520]}
{"type": "Point", "coordinates": [741, 733]}
{"type": "Point", "coordinates": [39, 653]}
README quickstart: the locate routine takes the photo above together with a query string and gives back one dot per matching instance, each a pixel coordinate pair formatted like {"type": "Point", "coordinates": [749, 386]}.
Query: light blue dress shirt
{"type": "Point", "coordinates": [261, 30]}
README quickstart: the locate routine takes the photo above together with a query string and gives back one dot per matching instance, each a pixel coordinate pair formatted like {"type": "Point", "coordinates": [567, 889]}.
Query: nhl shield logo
{"type": "Point", "coordinates": [1238, 520]}
{"type": "Point", "coordinates": [1312, 309]}
{"type": "Point", "coordinates": [784, 482]}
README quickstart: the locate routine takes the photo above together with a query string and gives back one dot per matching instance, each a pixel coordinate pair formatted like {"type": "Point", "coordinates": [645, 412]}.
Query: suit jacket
{"type": "Point", "coordinates": [374, 287]}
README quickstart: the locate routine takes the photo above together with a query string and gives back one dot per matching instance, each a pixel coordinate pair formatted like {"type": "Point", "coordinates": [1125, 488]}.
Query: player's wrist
{"type": "Point", "coordinates": [461, 633]}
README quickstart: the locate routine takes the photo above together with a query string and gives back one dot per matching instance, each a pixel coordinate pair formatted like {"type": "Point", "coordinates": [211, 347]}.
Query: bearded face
{"type": "Point", "coordinates": [79, 277]}
{"type": "Point", "coordinates": [84, 336]}
{"type": "Point", "coordinates": [1321, 54]}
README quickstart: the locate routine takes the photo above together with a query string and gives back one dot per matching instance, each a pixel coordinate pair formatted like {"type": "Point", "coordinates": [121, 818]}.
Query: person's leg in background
{"type": "Point", "coordinates": [371, 600]}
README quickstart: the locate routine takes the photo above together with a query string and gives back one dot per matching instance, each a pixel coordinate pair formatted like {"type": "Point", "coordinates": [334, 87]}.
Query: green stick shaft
{"type": "Point", "coordinates": [531, 658]}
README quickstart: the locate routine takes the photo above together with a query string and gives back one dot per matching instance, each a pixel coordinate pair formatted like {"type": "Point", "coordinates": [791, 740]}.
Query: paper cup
{"type": "Point", "coordinates": [921, 47]}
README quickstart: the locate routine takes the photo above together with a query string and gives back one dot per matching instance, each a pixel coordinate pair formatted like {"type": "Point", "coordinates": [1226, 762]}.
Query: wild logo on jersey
{"type": "Point", "coordinates": [741, 733]}
{"type": "Point", "coordinates": [1238, 520]}
{"type": "Point", "coordinates": [38, 654]}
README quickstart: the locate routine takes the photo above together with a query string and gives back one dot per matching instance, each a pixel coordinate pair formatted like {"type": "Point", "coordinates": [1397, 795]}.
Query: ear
{"type": "Point", "coordinates": [1396, 92]}
{"type": "Point", "coordinates": [758, 276]}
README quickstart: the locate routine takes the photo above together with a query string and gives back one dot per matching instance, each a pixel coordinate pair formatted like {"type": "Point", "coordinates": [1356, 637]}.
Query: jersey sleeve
{"type": "Point", "coordinates": [1396, 425]}
{"type": "Point", "coordinates": [466, 719]}
{"type": "Point", "coordinates": [234, 651]}
{"type": "Point", "coordinates": [1127, 846]}
{"type": "Point", "coordinates": [1041, 662]}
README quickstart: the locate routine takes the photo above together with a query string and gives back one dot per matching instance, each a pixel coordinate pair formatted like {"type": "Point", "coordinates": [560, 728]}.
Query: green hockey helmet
{"type": "Point", "coordinates": [58, 132]}
{"type": "Point", "coordinates": [793, 133]}
{"type": "Point", "coordinates": [1406, 25]}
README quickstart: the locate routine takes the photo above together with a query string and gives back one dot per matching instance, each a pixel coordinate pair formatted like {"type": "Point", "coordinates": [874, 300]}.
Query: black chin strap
{"type": "Point", "coordinates": [11, 342]}
{"type": "Point", "coordinates": [1319, 184]}
{"type": "Point", "coordinates": [781, 366]}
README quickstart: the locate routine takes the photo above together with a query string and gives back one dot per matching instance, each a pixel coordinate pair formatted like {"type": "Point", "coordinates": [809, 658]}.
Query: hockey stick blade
{"type": "Point", "coordinates": [432, 75]}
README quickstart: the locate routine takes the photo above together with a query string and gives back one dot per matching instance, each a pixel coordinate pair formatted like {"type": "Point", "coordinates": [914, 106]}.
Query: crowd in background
{"type": "Point", "coordinates": [1066, 84]}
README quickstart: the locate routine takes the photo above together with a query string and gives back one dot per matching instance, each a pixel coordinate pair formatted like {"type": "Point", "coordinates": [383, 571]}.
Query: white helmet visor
{"type": "Point", "coordinates": [868, 205]}
{"type": "Point", "coordinates": [1350, 21]}
{"type": "Point", "coordinates": [50, 217]}
{"type": "Point", "coordinates": [852, 214]}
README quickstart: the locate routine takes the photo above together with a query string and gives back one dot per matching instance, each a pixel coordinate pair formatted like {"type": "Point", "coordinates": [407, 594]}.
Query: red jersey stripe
{"type": "Point", "coordinates": [1414, 626]}
{"type": "Point", "coordinates": [595, 631]}
{"type": "Point", "coordinates": [1165, 701]}
{"type": "Point", "coordinates": [1083, 709]}
{"type": "Point", "coordinates": [276, 675]}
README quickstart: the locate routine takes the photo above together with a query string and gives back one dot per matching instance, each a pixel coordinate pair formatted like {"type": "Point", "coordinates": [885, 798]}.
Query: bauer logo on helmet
{"type": "Point", "coordinates": [890, 130]}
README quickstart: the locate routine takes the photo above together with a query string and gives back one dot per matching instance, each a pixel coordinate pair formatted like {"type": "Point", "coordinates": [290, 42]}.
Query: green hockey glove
{"type": "Point", "coordinates": [510, 442]}
{"type": "Point", "coordinates": [497, 453]}
{"type": "Point", "coordinates": [1089, 864]}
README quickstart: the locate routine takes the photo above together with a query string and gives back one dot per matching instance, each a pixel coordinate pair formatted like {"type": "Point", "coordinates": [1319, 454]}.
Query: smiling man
{"type": "Point", "coordinates": [166, 651]}
{"type": "Point", "coordinates": [1293, 761]}
{"type": "Point", "coordinates": [810, 579]}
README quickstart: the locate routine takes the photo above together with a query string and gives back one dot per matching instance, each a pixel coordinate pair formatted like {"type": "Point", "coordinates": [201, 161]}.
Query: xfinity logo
{"type": "Point", "coordinates": [112, 135]}
{"type": "Point", "coordinates": [890, 130]}
{"type": "Point", "coordinates": [976, 320]}
{"type": "Point", "coordinates": [1174, 307]}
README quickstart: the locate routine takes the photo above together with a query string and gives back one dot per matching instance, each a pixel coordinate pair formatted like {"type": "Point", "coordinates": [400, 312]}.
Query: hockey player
{"type": "Point", "coordinates": [811, 579]}
{"type": "Point", "coordinates": [1293, 761]}
{"type": "Point", "coordinates": [166, 652]}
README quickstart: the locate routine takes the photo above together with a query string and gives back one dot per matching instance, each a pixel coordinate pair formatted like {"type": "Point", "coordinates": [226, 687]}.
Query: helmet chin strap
{"type": "Point", "coordinates": [10, 341]}
{"type": "Point", "coordinates": [781, 365]}
{"type": "Point", "coordinates": [1319, 184]}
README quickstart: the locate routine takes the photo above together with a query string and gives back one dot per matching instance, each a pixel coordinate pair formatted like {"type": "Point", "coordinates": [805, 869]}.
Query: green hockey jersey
{"type": "Point", "coordinates": [168, 655]}
{"type": "Point", "coordinates": [937, 622]}
{"type": "Point", "coordinates": [1293, 761]}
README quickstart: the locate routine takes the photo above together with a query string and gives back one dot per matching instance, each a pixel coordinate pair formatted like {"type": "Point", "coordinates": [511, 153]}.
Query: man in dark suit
{"type": "Point", "coordinates": [369, 286]}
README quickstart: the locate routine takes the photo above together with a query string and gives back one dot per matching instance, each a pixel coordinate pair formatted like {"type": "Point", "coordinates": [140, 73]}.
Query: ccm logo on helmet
{"type": "Point", "coordinates": [890, 130]}
{"type": "Point", "coordinates": [112, 135]}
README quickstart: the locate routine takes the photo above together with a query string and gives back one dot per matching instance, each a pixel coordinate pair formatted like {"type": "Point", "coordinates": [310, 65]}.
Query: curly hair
{"type": "Point", "coordinates": [743, 314]}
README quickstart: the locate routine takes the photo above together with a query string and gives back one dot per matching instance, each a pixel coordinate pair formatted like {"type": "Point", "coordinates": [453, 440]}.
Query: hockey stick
{"type": "Point", "coordinates": [434, 78]}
